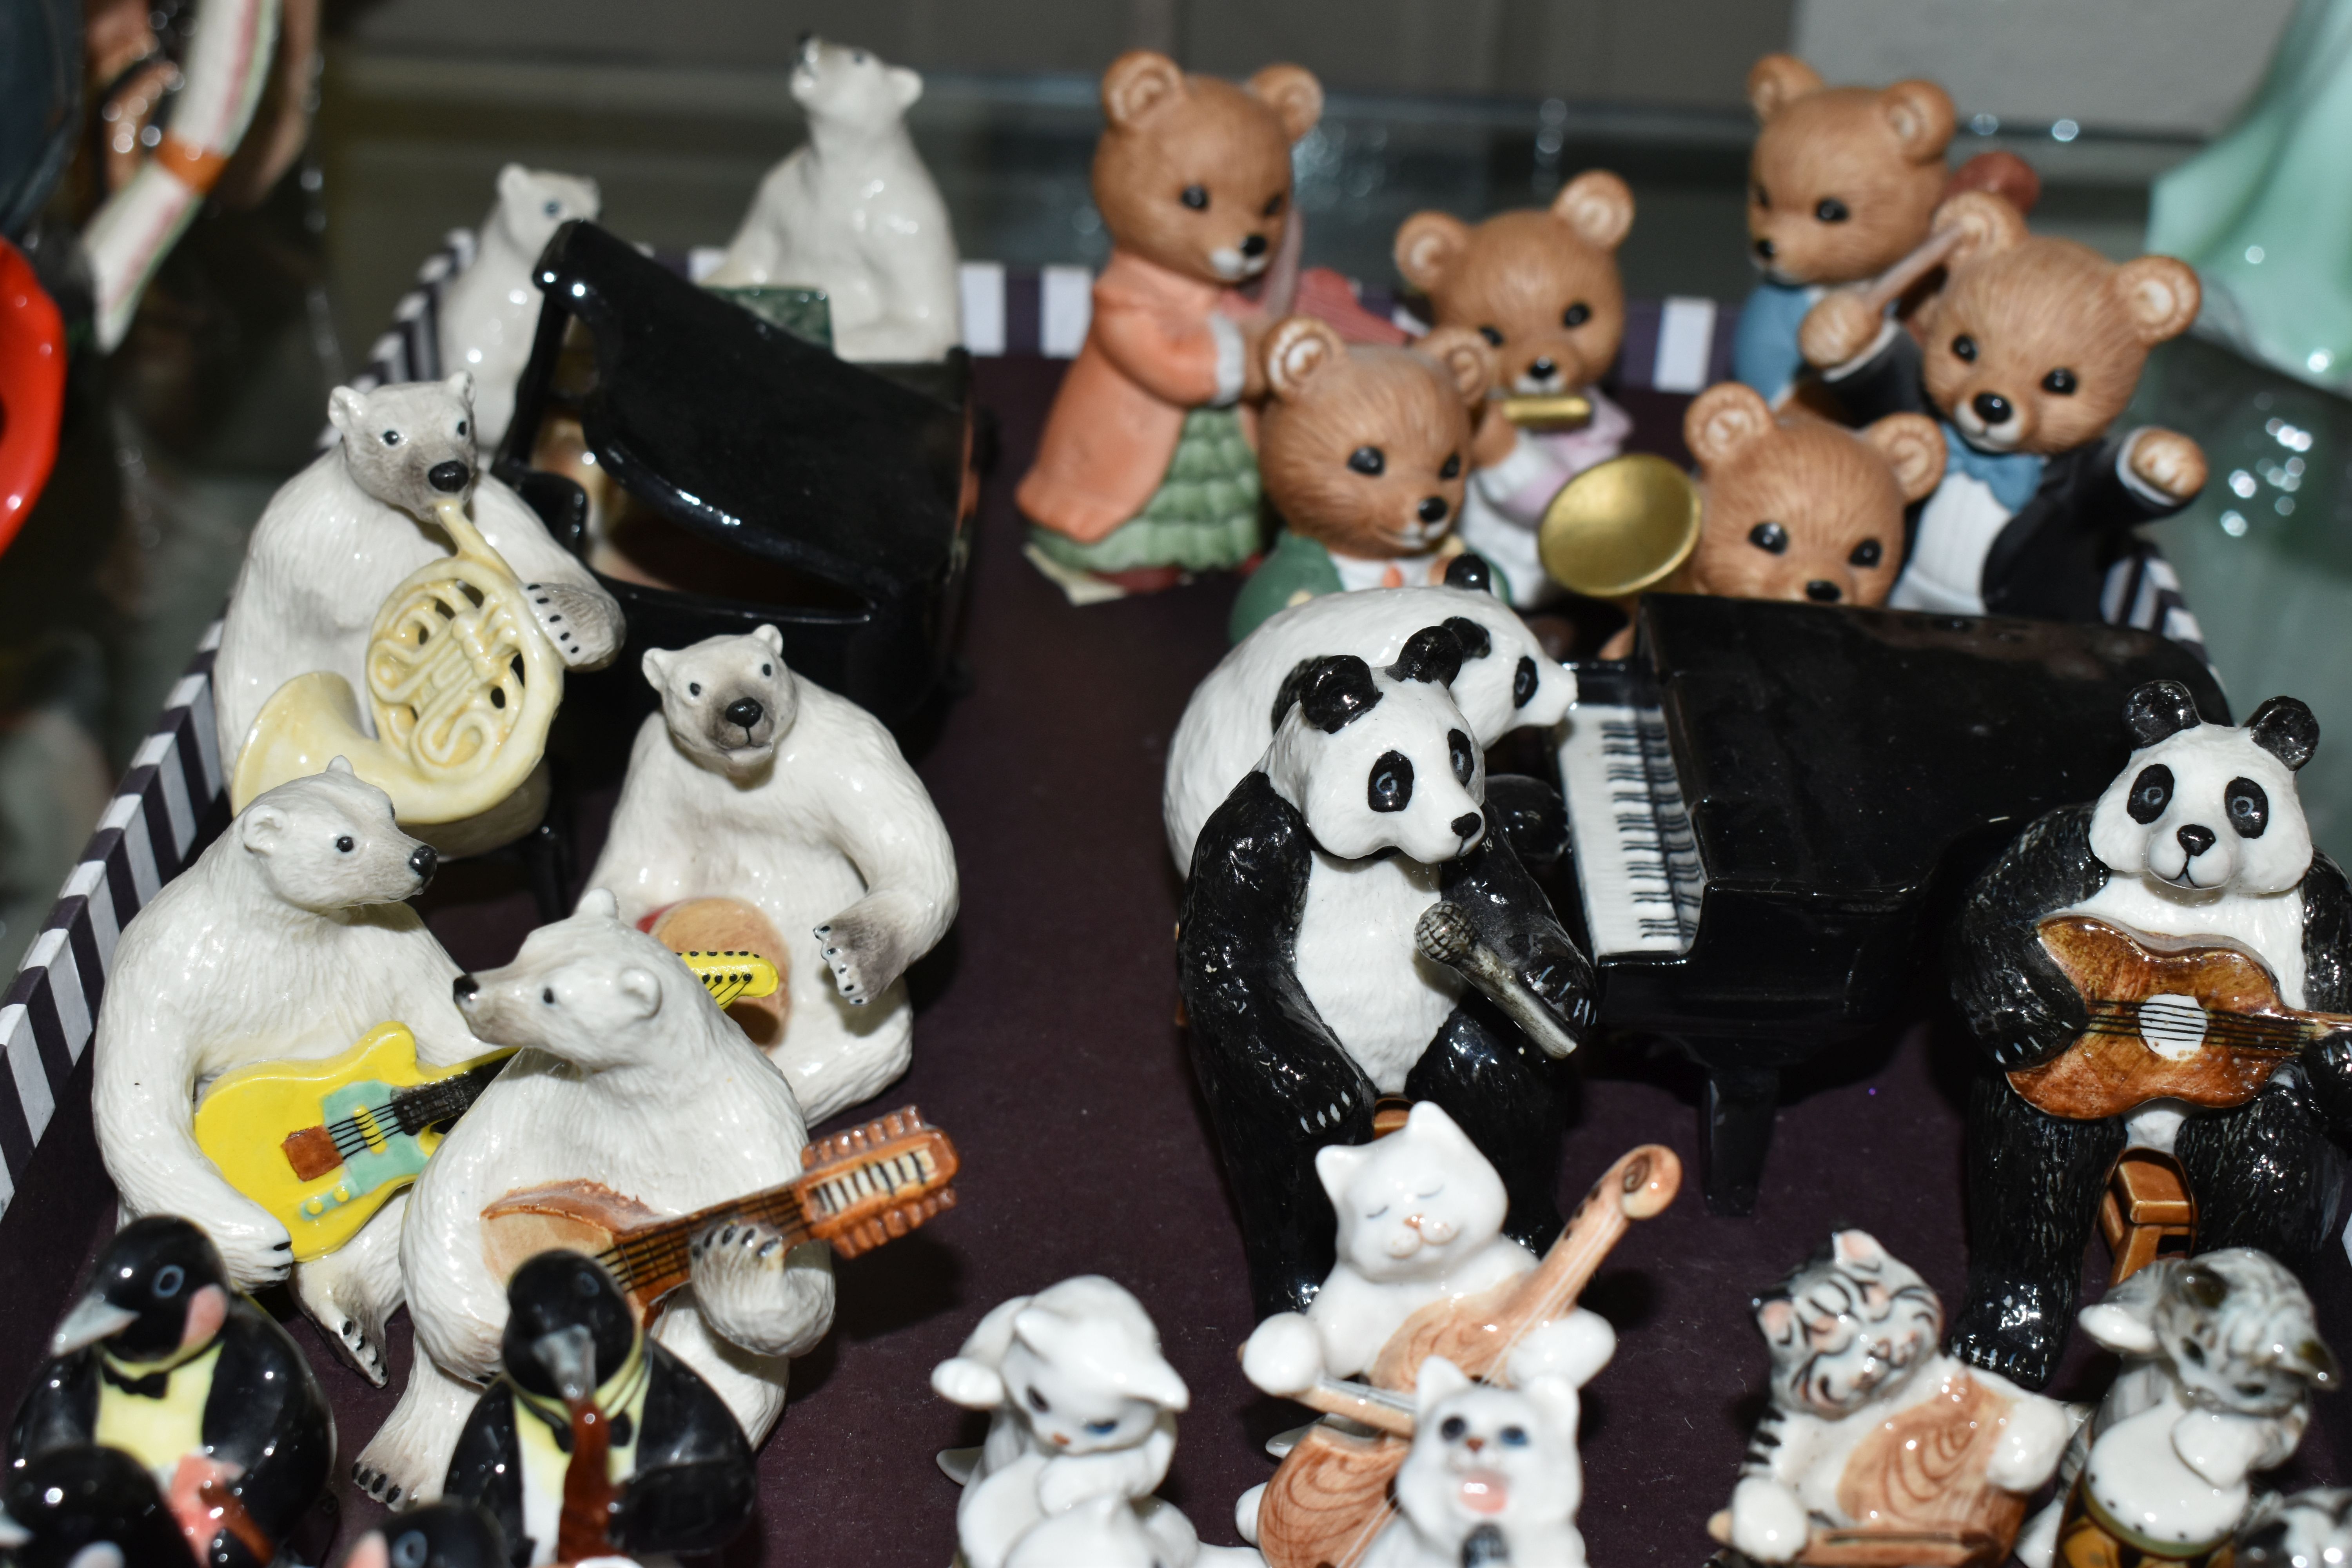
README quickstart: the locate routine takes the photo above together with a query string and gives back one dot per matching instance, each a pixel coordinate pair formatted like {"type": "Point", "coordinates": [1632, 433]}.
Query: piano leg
{"type": "Point", "coordinates": [1737, 1131]}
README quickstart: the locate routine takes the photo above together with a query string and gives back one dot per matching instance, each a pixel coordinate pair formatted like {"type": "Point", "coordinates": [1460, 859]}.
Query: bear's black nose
{"type": "Point", "coordinates": [1433, 508]}
{"type": "Point", "coordinates": [1821, 593]}
{"type": "Point", "coordinates": [1254, 245]}
{"type": "Point", "coordinates": [1764, 249]}
{"type": "Point", "coordinates": [745, 712]}
{"type": "Point", "coordinates": [423, 860]}
{"type": "Point", "coordinates": [1466, 824]}
{"type": "Point", "coordinates": [463, 988]}
{"type": "Point", "coordinates": [1543, 370]}
{"type": "Point", "coordinates": [448, 478]}
{"type": "Point", "coordinates": [2195, 839]}
{"type": "Point", "coordinates": [1991, 407]}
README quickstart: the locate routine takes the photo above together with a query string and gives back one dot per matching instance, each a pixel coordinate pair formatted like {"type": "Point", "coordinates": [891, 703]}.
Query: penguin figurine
{"type": "Point", "coordinates": [677, 1475]}
{"type": "Point", "coordinates": [438, 1535]}
{"type": "Point", "coordinates": [81, 1506]}
{"type": "Point", "coordinates": [165, 1361]}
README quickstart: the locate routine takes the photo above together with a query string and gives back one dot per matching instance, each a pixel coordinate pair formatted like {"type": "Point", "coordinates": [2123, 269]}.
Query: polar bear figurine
{"type": "Point", "coordinates": [340, 536]}
{"type": "Point", "coordinates": [754, 784]}
{"type": "Point", "coordinates": [287, 937]}
{"type": "Point", "coordinates": [488, 313]}
{"type": "Point", "coordinates": [629, 1076]}
{"type": "Point", "coordinates": [855, 212]}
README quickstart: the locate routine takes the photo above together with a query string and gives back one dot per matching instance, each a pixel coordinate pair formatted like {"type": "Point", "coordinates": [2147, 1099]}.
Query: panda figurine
{"type": "Point", "coordinates": [2201, 841]}
{"type": "Point", "coordinates": [1306, 993]}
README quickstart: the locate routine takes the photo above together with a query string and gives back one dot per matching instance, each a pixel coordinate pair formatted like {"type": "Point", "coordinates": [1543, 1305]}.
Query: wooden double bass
{"type": "Point", "coordinates": [1330, 1497]}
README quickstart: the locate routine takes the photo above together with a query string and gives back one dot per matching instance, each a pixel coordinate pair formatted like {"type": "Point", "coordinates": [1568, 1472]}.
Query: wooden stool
{"type": "Point", "coordinates": [2148, 1212]}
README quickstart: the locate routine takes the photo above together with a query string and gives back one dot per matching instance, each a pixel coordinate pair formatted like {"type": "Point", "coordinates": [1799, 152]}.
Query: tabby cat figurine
{"type": "Point", "coordinates": [1873, 1432]}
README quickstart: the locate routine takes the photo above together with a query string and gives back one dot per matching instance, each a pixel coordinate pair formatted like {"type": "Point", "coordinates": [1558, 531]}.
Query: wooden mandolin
{"type": "Point", "coordinates": [1329, 1498]}
{"type": "Point", "coordinates": [2196, 1019]}
{"type": "Point", "coordinates": [863, 1187]}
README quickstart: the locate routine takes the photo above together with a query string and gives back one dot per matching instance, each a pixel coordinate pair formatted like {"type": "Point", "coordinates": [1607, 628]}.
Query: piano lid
{"type": "Point", "coordinates": [1844, 752]}
{"type": "Point", "coordinates": [737, 430]}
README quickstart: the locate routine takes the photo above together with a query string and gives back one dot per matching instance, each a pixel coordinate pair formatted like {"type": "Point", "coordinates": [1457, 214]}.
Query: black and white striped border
{"type": "Point", "coordinates": [173, 801]}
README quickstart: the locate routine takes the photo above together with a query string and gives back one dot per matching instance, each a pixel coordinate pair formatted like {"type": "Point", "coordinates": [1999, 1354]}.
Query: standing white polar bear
{"type": "Point", "coordinates": [488, 313]}
{"type": "Point", "coordinates": [340, 536]}
{"type": "Point", "coordinates": [855, 212]}
{"type": "Point", "coordinates": [629, 1077]}
{"type": "Point", "coordinates": [286, 939]}
{"type": "Point", "coordinates": [753, 785]}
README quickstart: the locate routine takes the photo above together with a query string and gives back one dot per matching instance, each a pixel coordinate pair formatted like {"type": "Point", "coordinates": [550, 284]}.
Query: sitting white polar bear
{"type": "Point", "coordinates": [488, 313]}
{"type": "Point", "coordinates": [629, 1077]}
{"type": "Point", "coordinates": [753, 785]}
{"type": "Point", "coordinates": [341, 536]}
{"type": "Point", "coordinates": [855, 214]}
{"type": "Point", "coordinates": [286, 939]}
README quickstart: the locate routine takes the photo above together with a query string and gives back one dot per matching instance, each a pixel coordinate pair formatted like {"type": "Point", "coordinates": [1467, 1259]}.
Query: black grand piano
{"type": "Point", "coordinates": [1767, 801]}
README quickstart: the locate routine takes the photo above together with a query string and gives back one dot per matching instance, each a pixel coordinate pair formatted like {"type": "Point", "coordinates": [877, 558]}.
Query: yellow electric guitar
{"type": "Point", "coordinates": [323, 1144]}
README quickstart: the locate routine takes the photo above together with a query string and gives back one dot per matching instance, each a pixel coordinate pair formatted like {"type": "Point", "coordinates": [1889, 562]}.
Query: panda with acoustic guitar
{"type": "Point", "coordinates": [2168, 967]}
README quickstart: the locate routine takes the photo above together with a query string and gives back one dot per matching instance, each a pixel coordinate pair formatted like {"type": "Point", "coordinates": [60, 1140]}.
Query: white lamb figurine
{"type": "Point", "coordinates": [2221, 1354]}
{"type": "Point", "coordinates": [1856, 1376]}
{"type": "Point", "coordinates": [855, 212]}
{"type": "Point", "coordinates": [488, 313]}
{"type": "Point", "coordinates": [752, 784]}
{"type": "Point", "coordinates": [629, 1077]}
{"type": "Point", "coordinates": [286, 939]}
{"type": "Point", "coordinates": [1493, 1477]}
{"type": "Point", "coordinates": [1420, 1220]}
{"type": "Point", "coordinates": [341, 536]}
{"type": "Point", "coordinates": [1084, 1408]}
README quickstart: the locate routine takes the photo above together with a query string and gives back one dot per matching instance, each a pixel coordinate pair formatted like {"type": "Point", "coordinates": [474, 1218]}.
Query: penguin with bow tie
{"type": "Point", "coordinates": [165, 1361]}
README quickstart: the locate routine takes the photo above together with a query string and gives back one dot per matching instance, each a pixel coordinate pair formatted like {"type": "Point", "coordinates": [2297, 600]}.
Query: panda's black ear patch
{"type": "Point", "coordinates": [1334, 691]}
{"type": "Point", "coordinates": [2285, 729]}
{"type": "Point", "coordinates": [1469, 570]}
{"type": "Point", "coordinates": [2157, 709]}
{"type": "Point", "coordinates": [1432, 653]}
{"type": "Point", "coordinates": [1476, 643]}
{"type": "Point", "coordinates": [1288, 692]}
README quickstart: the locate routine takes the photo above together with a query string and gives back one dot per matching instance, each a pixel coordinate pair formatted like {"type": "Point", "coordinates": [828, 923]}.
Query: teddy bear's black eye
{"type": "Point", "coordinates": [1760, 196]}
{"type": "Point", "coordinates": [2250, 808]}
{"type": "Point", "coordinates": [391, 437]}
{"type": "Point", "coordinates": [344, 845]}
{"type": "Point", "coordinates": [1770, 536]}
{"type": "Point", "coordinates": [1196, 198]}
{"type": "Point", "coordinates": [1273, 205]}
{"type": "Point", "coordinates": [1390, 786]}
{"type": "Point", "coordinates": [1451, 467]}
{"type": "Point", "coordinates": [1831, 210]}
{"type": "Point", "coordinates": [1368, 461]}
{"type": "Point", "coordinates": [1458, 753]}
{"type": "Point", "coordinates": [1523, 681]}
{"type": "Point", "coordinates": [1576, 315]}
{"type": "Point", "coordinates": [1493, 335]}
{"type": "Point", "coordinates": [2150, 793]}
{"type": "Point", "coordinates": [1454, 1430]}
{"type": "Point", "coordinates": [2060, 381]}
{"type": "Point", "coordinates": [1867, 553]}
{"type": "Point", "coordinates": [694, 688]}
{"type": "Point", "coordinates": [1964, 347]}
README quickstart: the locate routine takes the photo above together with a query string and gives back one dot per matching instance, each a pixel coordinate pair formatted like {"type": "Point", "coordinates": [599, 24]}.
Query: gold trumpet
{"type": "Point", "coordinates": [462, 684]}
{"type": "Point", "coordinates": [1620, 527]}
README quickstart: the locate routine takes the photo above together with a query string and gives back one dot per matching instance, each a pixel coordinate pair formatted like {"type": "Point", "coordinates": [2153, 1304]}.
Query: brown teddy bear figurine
{"type": "Point", "coordinates": [1541, 287]}
{"type": "Point", "coordinates": [2034, 346]}
{"type": "Point", "coordinates": [1365, 453]}
{"type": "Point", "coordinates": [1841, 185]}
{"type": "Point", "coordinates": [1145, 471]}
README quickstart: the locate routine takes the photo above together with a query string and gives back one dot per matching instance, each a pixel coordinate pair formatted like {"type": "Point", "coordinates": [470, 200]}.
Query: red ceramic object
{"type": "Point", "coordinates": [32, 388]}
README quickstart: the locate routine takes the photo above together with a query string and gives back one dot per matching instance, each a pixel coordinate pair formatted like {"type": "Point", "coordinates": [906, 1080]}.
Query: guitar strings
{"type": "Point", "coordinates": [2216, 1023]}
{"type": "Point", "coordinates": [2109, 1020]}
{"type": "Point", "coordinates": [448, 1089]}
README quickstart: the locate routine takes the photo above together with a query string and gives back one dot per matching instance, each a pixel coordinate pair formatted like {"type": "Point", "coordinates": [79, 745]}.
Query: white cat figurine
{"type": "Point", "coordinates": [1493, 1477]}
{"type": "Point", "coordinates": [1860, 1389]}
{"type": "Point", "coordinates": [1420, 1220]}
{"type": "Point", "coordinates": [1085, 1407]}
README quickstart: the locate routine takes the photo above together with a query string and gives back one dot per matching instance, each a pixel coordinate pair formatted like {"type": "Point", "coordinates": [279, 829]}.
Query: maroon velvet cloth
{"type": "Point", "coordinates": [1045, 1043]}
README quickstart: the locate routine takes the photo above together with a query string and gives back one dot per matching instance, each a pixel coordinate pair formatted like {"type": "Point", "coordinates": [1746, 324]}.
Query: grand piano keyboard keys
{"type": "Point", "coordinates": [1637, 866]}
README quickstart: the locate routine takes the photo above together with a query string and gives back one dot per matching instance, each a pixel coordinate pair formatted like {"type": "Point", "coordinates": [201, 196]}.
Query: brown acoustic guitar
{"type": "Point", "coordinates": [1330, 1497]}
{"type": "Point", "coordinates": [860, 1188]}
{"type": "Point", "coordinates": [2196, 1019]}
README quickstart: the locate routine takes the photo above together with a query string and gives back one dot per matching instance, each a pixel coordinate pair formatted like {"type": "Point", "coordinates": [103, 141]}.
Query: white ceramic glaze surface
{"type": "Point", "coordinates": [488, 313]}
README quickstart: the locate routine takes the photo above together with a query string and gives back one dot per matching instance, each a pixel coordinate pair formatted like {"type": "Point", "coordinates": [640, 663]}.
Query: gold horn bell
{"type": "Point", "coordinates": [1620, 527]}
{"type": "Point", "coordinates": [462, 685]}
